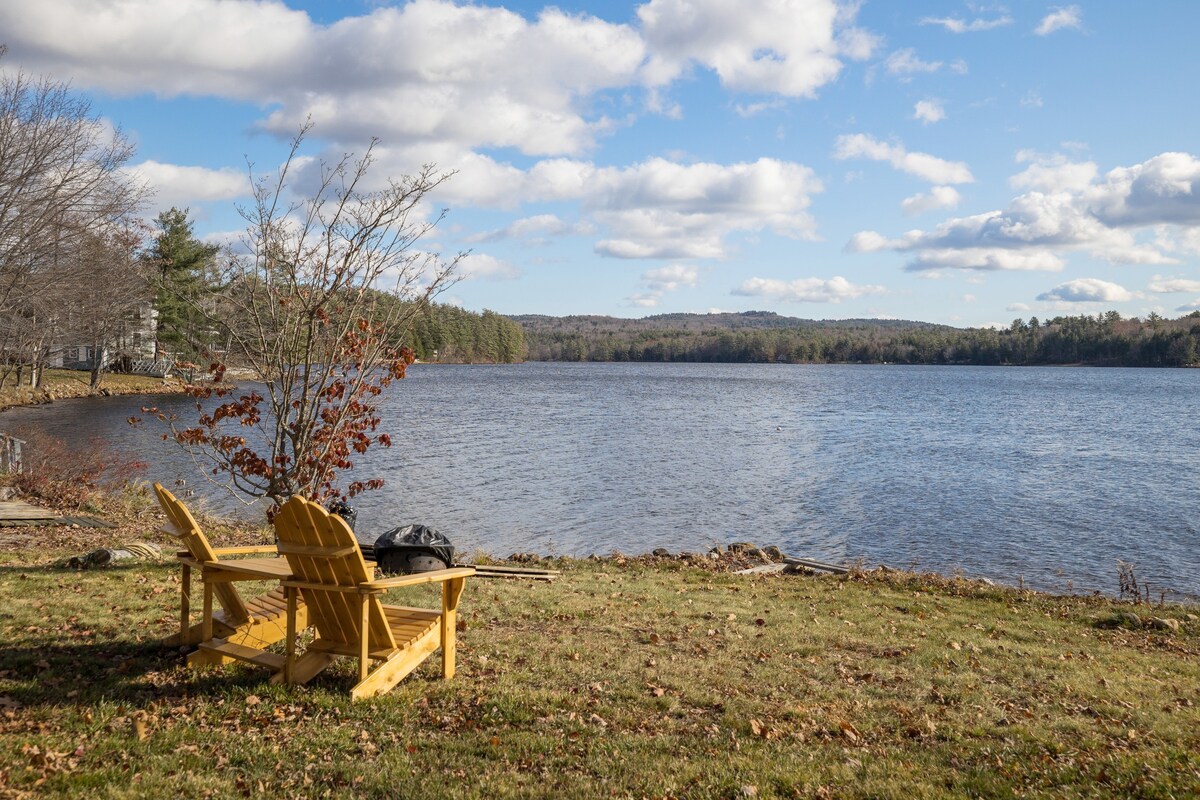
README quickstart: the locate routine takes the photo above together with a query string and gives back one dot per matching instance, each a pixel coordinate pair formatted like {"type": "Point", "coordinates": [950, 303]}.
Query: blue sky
{"type": "Point", "coordinates": [955, 162]}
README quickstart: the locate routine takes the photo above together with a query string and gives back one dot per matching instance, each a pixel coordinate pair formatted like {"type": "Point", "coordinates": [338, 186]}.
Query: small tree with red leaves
{"type": "Point", "coordinates": [316, 307]}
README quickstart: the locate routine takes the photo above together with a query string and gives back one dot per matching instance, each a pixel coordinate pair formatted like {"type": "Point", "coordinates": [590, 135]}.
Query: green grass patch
{"type": "Point", "coordinates": [632, 680]}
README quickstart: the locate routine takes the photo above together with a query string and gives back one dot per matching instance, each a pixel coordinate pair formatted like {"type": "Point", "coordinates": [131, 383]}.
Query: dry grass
{"type": "Point", "coordinates": [635, 679]}
{"type": "Point", "coordinates": [61, 384]}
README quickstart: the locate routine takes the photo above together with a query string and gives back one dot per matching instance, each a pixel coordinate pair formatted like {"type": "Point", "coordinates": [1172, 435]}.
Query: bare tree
{"type": "Point", "coordinates": [61, 181]}
{"type": "Point", "coordinates": [316, 308]}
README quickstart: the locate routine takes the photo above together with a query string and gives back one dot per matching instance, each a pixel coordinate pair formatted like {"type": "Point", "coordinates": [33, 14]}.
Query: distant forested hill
{"type": "Point", "coordinates": [450, 334]}
{"type": "Point", "coordinates": [760, 337]}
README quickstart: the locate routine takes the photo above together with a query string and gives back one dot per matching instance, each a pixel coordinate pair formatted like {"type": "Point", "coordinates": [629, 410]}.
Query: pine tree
{"type": "Point", "coordinates": [181, 263]}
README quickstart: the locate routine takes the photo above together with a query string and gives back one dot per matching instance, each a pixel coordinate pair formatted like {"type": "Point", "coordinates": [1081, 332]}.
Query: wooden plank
{"type": "Point", "coordinates": [243, 653]}
{"type": "Point", "coordinates": [481, 573]}
{"type": "Point", "coordinates": [514, 570]}
{"type": "Point", "coordinates": [818, 565]}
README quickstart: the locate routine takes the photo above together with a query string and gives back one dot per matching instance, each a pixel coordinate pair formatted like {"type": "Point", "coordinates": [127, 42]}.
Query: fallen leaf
{"type": "Point", "coordinates": [253, 700]}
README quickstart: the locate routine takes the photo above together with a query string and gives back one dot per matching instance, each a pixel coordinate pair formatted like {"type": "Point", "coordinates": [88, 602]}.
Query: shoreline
{"type": "Point", "coordinates": [71, 385]}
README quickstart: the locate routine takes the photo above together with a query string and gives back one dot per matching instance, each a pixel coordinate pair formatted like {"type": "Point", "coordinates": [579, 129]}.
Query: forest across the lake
{"type": "Point", "coordinates": [1105, 339]}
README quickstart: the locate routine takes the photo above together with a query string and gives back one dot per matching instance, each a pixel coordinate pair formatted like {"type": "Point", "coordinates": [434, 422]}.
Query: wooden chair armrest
{"type": "Point", "coordinates": [417, 578]}
{"type": "Point", "coordinates": [233, 551]}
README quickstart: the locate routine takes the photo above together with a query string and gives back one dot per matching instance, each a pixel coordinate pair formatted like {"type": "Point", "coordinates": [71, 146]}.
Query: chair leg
{"type": "Point", "coordinates": [289, 664]}
{"type": "Point", "coordinates": [364, 632]}
{"type": "Point", "coordinates": [185, 604]}
{"type": "Point", "coordinates": [206, 624]}
{"type": "Point", "coordinates": [451, 591]}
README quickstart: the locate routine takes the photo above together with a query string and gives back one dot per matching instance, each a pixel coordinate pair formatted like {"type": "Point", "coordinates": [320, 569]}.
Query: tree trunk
{"type": "Point", "coordinates": [97, 364]}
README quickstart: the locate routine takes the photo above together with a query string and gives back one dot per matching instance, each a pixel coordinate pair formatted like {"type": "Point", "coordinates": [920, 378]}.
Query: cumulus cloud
{"type": "Point", "coordinates": [661, 209]}
{"type": "Point", "coordinates": [905, 63]}
{"type": "Point", "coordinates": [430, 71]}
{"type": "Point", "coordinates": [646, 299]}
{"type": "Point", "coordinates": [662, 280]}
{"type": "Point", "coordinates": [928, 111]}
{"type": "Point", "coordinates": [938, 197]}
{"type": "Point", "coordinates": [1059, 19]}
{"type": "Point", "coordinates": [956, 25]}
{"type": "Point", "coordinates": [670, 278]}
{"type": "Point", "coordinates": [806, 290]}
{"type": "Point", "coordinates": [533, 228]}
{"type": "Point", "coordinates": [1088, 290]}
{"type": "Point", "coordinates": [180, 186]}
{"type": "Point", "coordinates": [1164, 189]}
{"type": "Point", "coordinates": [1162, 285]}
{"type": "Point", "coordinates": [1053, 174]}
{"type": "Point", "coordinates": [480, 266]}
{"type": "Point", "coordinates": [787, 47]}
{"type": "Point", "coordinates": [1104, 217]}
{"type": "Point", "coordinates": [922, 165]}
{"type": "Point", "coordinates": [1188, 307]}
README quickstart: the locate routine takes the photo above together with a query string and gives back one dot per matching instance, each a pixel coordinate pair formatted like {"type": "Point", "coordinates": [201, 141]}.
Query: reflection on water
{"type": "Point", "coordinates": [1046, 475]}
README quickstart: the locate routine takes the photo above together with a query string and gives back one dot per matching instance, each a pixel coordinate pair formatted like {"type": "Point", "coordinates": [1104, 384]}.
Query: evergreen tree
{"type": "Point", "coordinates": [181, 265]}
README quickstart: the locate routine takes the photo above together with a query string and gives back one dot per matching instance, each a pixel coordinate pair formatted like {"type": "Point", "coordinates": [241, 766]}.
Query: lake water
{"type": "Point", "coordinates": [1049, 476]}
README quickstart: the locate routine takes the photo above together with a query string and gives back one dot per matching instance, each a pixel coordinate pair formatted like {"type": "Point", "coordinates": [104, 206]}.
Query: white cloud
{"type": "Point", "coordinates": [1032, 100]}
{"type": "Point", "coordinates": [928, 111]}
{"type": "Point", "coordinates": [480, 266]}
{"type": "Point", "coordinates": [1168, 285]}
{"type": "Point", "coordinates": [922, 165]}
{"type": "Point", "coordinates": [670, 278]}
{"type": "Point", "coordinates": [986, 259]}
{"type": "Point", "coordinates": [1053, 174]}
{"type": "Point", "coordinates": [1088, 290]}
{"type": "Point", "coordinates": [1020, 308]}
{"type": "Point", "coordinates": [787, 47]}
{"type": "Point", "coordinates": [754, 109]}
{"type": "Point", "coordinates": [969, 298]}
{"type": "Point", "coordinates": [534, 227]}
{"type": "Point", "coordinates": [938, 197]}
{"type": "Point", "coordinates": [430, 71]}
{"type": "Point", "coordinates": [1164, 189]}
{"type": "Point", "coordinates": [955, 25]}
{"type": "Point", "coordinates": [905, 63]}
{"type": "Point", "coordinates": [660, 209]}
{"type": "Point", "coordinates": [1068, 211]}
{"type": "Point", "coordinates": [1192, 306]}
{"type": "Point", "coordinates": [1059, 19]}
{"type": "Point", "coordinates": [646, 299]}
{"type": "Point", "coordinates": [181, 186]}
{"type": "Point", "coordinates": [806, 290]}
{"type": "Point", "coordinates": [662, 280]}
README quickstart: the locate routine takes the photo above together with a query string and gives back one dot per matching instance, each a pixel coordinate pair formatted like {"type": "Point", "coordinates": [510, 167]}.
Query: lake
{"type": "Point", "coordinates": [1043, 475]}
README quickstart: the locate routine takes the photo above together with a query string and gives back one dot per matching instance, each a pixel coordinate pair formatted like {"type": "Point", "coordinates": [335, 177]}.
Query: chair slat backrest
{"type": "Point", "coordinates": [187, 530]}
{"type": "Point", "coordinates": [321, 549]}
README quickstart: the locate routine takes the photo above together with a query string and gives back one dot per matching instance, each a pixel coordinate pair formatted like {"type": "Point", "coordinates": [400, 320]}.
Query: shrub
{"type": "Point", "coordinates": [67, 476]}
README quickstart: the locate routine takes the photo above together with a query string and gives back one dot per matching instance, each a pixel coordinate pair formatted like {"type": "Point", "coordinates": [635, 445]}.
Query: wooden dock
{"type": "Point", "coordinates": [17, 514]}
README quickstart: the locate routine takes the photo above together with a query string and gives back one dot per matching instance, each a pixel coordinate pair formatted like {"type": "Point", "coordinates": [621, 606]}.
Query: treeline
{"type": "Point", "coordinates": [450, 334]}
{"type": "Point", "coordinates": [760, 337]}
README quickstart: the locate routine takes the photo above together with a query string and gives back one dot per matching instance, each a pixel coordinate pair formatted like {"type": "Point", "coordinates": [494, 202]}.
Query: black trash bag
{"type": "Point", "coordinates": [413, 548]}
{"type": "Point", "coordinates": [343, 510]}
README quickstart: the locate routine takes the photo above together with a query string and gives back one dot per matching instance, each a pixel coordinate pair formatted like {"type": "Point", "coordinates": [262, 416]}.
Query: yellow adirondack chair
{"type": "Point", "coordinates": [253, 624]}
{"type": "Point", "coordinates": [342, 597]}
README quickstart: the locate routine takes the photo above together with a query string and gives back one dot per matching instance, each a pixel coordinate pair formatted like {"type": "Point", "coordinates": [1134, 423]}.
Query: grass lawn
{"type": "Point", "coordinates": [637, 678]}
